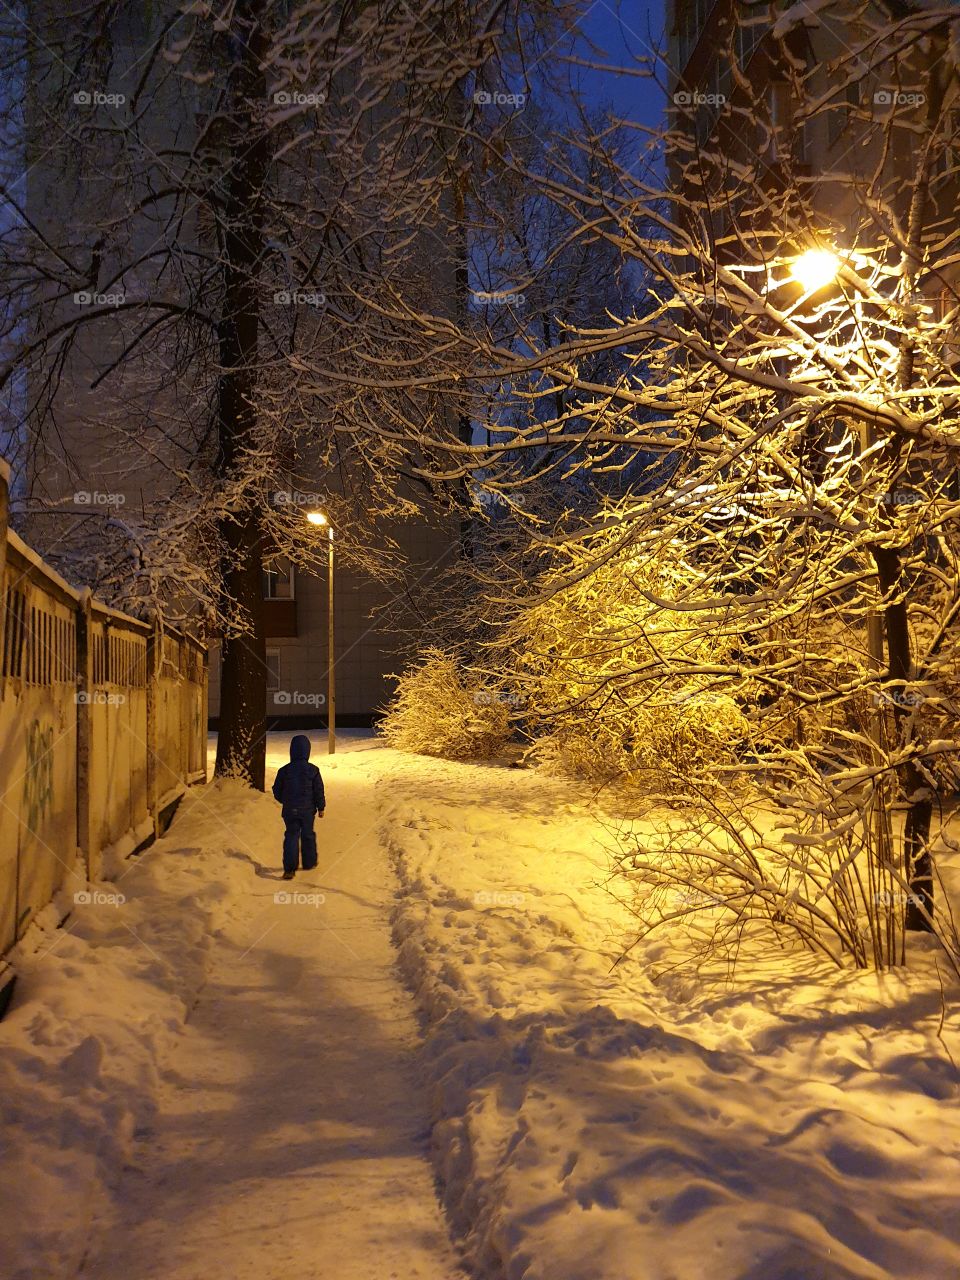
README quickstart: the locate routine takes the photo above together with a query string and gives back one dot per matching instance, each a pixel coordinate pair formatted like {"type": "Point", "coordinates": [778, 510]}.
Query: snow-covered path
{"type": "Point", "coordinates": [291, 1135]}
{"type": "Point", "coordinates": [197, 1080]}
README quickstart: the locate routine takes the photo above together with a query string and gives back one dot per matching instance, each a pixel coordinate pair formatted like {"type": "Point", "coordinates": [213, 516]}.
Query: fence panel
{"type": "Point", "coordinates": [117, 707]}
{"type": "Point", "coordinates": [103, 721]}
{"type": "Point", "coordinates": [193, 711]}
{"type": "Point", "coordinates": [168, 696]}
{"type": "Point", "coordinates": [38, 739]}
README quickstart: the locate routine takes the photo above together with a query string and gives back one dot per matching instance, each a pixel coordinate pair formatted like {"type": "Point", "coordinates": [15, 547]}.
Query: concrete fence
{"type": "Point", "coordinates": [103, 724]}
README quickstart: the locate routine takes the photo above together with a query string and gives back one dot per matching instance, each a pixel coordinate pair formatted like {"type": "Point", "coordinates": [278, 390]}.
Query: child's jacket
{"type": "Point", "coordinates": [298, 785]}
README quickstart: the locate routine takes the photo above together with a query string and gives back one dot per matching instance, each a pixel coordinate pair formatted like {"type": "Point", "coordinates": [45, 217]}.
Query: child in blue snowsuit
{"type": "Point", "coordinates": [299, 788]}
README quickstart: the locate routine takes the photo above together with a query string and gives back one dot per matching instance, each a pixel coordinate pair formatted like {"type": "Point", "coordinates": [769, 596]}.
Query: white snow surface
{"type": "Point", "coordinates": [644, 1122]}
{"type": "Point", "coordinates": [205, 1082]}
{"type": "Point", "coordinates": [202, 1081]}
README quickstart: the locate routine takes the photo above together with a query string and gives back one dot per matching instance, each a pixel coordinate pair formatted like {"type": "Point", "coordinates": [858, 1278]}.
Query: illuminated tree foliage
{"type": "Point", "coordinates": [790, 381]}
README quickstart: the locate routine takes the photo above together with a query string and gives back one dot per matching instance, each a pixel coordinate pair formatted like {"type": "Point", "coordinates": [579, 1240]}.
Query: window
{"type": "Point", "coordinates": [278, 579]}
{"type": "Point", "coordinates": [841, 114]}
{"type": "Point", "coordinates": [786, 140]}
{"type": "Point", "coordinates": [691, 19]}
{"type": "Point", "coordinates": [780, 104]}
{"type": "Point", "coordinates": [273, 670]}
{"type": "Point", "coordinates": [946, 155]}
{"type": "Point", "coordinates": [750, 31]}
{"type": "Point", "coordinates": [724, 79]}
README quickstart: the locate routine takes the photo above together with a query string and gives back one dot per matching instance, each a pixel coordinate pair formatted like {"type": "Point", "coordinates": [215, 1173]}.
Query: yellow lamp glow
{"type": "Point", "coordinates": [815, 268]}
{"type": "Point", "coordinates": [316, 517]}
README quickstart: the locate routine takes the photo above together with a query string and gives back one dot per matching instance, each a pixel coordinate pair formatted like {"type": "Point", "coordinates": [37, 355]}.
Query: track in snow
{"type": "Point", "coordinates": [291, 1139]}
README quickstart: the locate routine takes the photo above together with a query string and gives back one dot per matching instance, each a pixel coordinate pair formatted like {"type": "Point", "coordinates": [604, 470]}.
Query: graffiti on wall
{"type": "Point", "coordinates": [38, 779]}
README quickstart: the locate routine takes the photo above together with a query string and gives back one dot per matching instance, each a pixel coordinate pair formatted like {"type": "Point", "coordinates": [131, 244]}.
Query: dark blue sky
{"type": "Point", "coordinates": [625, 32]}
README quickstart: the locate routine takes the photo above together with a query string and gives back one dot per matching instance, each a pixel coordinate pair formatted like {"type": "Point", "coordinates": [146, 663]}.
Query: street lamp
{"type": "Point", "coordinates": [815, 268]}
{"type": "Point", "coordinates": [318, 518]}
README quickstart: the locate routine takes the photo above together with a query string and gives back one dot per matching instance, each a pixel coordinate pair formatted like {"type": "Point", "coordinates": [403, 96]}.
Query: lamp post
{"type": "Point", "coordinates": [916, 857]}
{"type": "Point", "coordinates": [318, 518]}
{"type": "Point", "coordinates": [813, 270]}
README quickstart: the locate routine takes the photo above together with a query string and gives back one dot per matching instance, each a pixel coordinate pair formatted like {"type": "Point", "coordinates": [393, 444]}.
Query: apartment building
{"type": "Point", "coordinates": [800, 128]}
{"type": "Point", "coordinates": [374, 623]}
{"type": "Point", "coordinates": [734, 68]}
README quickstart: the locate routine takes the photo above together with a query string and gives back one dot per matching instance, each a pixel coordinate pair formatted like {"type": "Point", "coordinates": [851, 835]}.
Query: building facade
{"type": "Point", "coordinates": [375, 623]}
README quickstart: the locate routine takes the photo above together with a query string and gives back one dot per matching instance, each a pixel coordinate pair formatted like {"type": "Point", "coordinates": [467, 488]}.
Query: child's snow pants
{"type": "Point", "coordinates": [299, 840]}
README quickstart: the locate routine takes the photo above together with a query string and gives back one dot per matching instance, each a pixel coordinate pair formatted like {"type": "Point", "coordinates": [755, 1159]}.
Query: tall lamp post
{"type": "Point", "coordinates": [318, 518]}
{"type": "Point", "coordinates": [814, 270]}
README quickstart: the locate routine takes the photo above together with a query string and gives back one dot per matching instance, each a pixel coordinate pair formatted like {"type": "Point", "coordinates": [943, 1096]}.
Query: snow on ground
{"type": "Point", "coordinates": [224, 1083]}
{"type": "Point", "coordinates": [643, 1122]}
{"type": "Point", "coordinates": [218, 1084]}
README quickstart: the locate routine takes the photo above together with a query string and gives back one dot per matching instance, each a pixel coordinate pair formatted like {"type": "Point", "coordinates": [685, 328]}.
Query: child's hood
{"type": "Point", "coordinates": [300, 747]}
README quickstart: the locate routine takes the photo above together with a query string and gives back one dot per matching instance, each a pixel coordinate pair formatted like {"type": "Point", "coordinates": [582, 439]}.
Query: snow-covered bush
{"type": "Point", "coordinates": [642, 743]}
{"type": "Point", "coordinates": [615, 677]}
{"type": "Point", "coordinates": [804, 858]}
{"type": "Point", "coordinates": [435, 711]}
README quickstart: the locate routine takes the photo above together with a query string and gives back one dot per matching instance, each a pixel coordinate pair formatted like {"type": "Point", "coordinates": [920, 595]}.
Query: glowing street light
{"type": "Point", "coordinates": [319, 519]}
{"type": "Point", "coordinates": [816, 268]}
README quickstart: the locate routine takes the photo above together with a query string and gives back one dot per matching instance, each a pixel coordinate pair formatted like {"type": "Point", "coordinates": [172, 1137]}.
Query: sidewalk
{"type": "Point", "coordinates": [290, 1137]}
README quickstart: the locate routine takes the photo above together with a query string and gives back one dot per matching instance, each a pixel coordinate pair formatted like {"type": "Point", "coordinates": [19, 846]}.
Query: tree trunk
{"type": "Point", "coordinates": [889, 560]}
{"type": "Point", "coordinates": [462, 293]}
{"type": "Point", "coordinates": [241, 741]}
{"type": "Point", "coordinates": [916, 834]}
{"type": "Point", "coordinates": [241, 745]}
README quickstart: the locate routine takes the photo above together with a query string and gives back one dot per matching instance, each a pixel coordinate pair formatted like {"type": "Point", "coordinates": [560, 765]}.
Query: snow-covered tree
{"type": "Point", "coordinates": [584, 647]}
{"type": "Point", "coordinates": [207, 194]}
{"type": "Point", "coordinates": [793, 363]}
